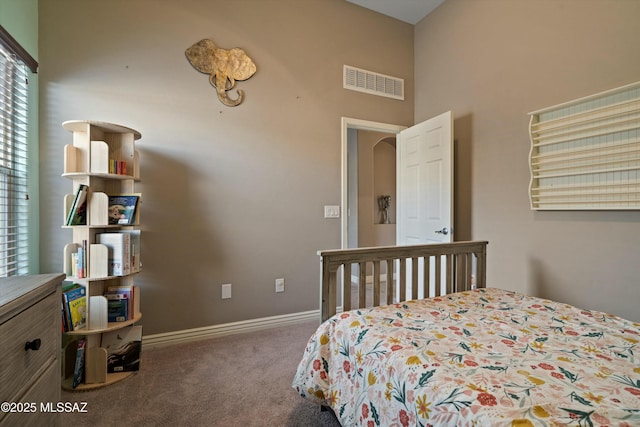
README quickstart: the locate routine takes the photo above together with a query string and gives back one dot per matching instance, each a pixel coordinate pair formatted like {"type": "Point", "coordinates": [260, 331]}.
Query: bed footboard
{"type": "Point", "coordinates": [432, 269]}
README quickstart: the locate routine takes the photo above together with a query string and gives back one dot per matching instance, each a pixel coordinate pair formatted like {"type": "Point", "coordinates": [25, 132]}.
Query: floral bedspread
{"type": "Point", "coordinates": [487, 357]}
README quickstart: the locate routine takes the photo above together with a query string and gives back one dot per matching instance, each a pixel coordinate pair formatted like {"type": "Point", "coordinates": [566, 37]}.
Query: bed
{"type": "Point", "coordinates": [464, 354]}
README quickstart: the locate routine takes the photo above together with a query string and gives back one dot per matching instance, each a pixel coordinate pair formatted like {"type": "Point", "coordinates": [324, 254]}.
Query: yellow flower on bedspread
{"type": "Point", "coordinates": [521, 423]}
{"type": "Point", "coordinates": [423, 406]}
{"type": "Point", "coordinates": [371, 378]}
{"type": "Point", "coordinates": [414, 360]}
{"type": "Point", "coordinates": [540, 412]}
{"type": "Point", "coordinates": [324, 339]}
{"type": "Point", "coordinates": [333, 397]}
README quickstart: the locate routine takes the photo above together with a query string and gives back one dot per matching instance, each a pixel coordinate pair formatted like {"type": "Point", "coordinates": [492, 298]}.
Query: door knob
{"type": "Point", "coordinates": [444, 231]}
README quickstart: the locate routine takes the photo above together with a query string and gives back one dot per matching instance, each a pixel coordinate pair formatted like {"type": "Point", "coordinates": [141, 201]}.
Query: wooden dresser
{"type": "Point", "coordinates": [30, 339]}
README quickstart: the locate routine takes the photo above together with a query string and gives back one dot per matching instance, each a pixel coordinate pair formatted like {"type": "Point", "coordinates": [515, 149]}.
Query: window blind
{"type": "Point", "coordinates": [14, 197]}
{"type": "Point", "coordinates": [585, 154]}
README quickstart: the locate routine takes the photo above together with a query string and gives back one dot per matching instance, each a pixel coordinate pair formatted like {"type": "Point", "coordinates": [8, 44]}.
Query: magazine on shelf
{"type": "Point", "coordinates": [123, 349]}
{"type": "Point", "coordinates": [123, 208]}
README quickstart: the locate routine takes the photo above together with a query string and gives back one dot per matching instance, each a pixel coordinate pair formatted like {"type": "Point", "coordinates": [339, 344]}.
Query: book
{"type": "Point", "coordinates": [70, 290]}
{"type": "Point", "coordinates": [75, 303]}
{"type": "Point", "coordinates": [119, 252]}
{"type": "Point", "coordinates": [123, 349]}
{"type": "Point", "coordinates": [123, 208]}
{"type": "Point", "coordinates": [117, 307]}
{"type": "Point", "coordinates": [78, 370]}
{"type": "Point", "coordinates": [136, 262]}
{"type": "Point", "coordinates": [65, 323]}
{"type": "Point", "coordinates": [81, 261]}
{"type": "Point", "coordinates": [78, 212]}
{"type": "Point", "coordinates": [132, 293]}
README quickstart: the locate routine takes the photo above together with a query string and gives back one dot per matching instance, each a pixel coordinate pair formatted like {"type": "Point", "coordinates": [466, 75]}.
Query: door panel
{"type": "Point", "coordinates": [425, 182]}
{"type": "Point", "coordinates": [434, 182]}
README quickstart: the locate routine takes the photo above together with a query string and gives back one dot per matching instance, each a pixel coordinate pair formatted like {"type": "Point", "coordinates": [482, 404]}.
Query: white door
{"type": "Point", "coordinates": [425, 182]}
{"type": "Point", "coordinates": [425, 191]}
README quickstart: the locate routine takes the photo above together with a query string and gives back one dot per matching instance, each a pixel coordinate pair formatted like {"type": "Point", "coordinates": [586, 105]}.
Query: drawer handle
{"type": "Point", "coordinates": [32, 345]}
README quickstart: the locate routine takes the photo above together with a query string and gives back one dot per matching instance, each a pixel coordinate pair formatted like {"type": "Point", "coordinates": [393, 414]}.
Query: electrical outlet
{"type": "Point", "coordinates": [280, 285]}
{"type": "Point", "coordinates": [226, 291]}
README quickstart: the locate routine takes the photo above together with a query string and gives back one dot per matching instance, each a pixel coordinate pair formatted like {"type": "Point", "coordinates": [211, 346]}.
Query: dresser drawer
{"type": "Point", "coordinates": [19, 367]}
{"type": "Point", "coordinates": [42, 398]}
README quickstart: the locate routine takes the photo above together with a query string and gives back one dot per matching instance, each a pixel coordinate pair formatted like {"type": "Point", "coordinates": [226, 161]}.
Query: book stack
{"type": "Point", "coordinates": [77, 214]}
{"type": "Point", "coordinates": [123, 251]}
{"type": "Point", "coordinates": [119, 252]}
{"type": "Point", "coordinates": [79, 262]}
{"type": "Point", "coordinates": [74, 307]}
{"type": "Point", "coordinates": [118, 167]}
{"type": "Point", "coordinates": [123, 302]}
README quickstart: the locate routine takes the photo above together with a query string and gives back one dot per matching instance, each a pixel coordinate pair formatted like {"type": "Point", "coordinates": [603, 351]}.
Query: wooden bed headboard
{"type": "Point", "coordinates": [457, 266]}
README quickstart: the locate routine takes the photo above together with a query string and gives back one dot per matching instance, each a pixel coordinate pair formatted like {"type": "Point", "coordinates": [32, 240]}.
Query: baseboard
{"type": "Point", "coordinates": [215, 331]}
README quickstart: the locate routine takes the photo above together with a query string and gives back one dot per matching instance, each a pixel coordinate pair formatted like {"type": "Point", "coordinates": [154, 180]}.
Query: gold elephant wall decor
{"type": "Point", "coordinates": [224, 66]}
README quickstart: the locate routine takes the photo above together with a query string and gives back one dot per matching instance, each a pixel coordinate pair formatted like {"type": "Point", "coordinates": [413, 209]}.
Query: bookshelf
{"type": "Point", "coordinates": [102, 157]}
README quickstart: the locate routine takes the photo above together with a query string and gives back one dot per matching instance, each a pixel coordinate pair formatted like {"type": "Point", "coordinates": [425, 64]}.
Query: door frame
{"type": "Point", "coordinates": [358, 124]}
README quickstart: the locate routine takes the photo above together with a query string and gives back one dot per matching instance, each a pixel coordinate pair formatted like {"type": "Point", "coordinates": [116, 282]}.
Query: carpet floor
{"type": "Point", "coordinates": [239, 380]}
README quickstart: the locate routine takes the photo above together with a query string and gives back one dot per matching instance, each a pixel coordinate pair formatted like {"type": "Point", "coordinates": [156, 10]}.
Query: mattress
{"type": "Point", "coordinates": [487, 357]}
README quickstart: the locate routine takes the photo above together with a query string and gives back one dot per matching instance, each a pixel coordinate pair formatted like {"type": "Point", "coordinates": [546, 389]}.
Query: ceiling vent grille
{"type": "Point", "coordinates": [373, 83]}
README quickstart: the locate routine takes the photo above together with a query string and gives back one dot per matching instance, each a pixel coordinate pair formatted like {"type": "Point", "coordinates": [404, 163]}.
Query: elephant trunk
{"type": "Point", "coordinates": [224, 98]}
{"type": "Point", "coordinates": [222, 88]}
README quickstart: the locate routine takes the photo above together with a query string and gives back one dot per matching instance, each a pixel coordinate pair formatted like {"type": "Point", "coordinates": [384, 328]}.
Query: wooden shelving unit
{"type": "Point", "coordinates": [86, 162]}
{"type": "Point", "coordinates": [585, 153]}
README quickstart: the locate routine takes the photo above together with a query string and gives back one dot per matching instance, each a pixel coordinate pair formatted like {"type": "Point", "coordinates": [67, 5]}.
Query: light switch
{"type": "Point", "coordinates": [331, 211]}
{"type": "Point", "coordinates": [226, 291]}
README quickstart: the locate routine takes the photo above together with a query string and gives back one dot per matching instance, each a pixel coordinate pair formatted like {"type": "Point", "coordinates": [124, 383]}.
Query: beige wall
{"type": "Point", "coordinates": [235, 195]}
{"type": "Point", "coordinates": [493, 61]}
{"type": "Point", "coordinates": [231, 195]}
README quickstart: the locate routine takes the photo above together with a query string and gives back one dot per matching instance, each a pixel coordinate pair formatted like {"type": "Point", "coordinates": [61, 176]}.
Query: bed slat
{"type": "Point", "coordinates": [346, 279]}
{"type": "Point", "coordinates": [390, 271]}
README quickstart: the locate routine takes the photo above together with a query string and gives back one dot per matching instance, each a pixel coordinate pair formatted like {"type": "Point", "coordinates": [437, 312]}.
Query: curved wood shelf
{"type": "Point", "coordinates": [106, 226]}
{"type": "Point", "coordinates": [67, 383]}
{"type": "Point", "coordinates": [99, 279]}
{"type": "Point", "coordinates": [72, 175]}
{"type": "Point", "coordinates": [112, 326]}
{"type": "Point", "coordinates": [83, 125]}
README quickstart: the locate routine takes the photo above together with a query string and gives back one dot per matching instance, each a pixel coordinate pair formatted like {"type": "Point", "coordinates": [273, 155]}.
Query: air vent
{"type": "Point", "coordinates": [373, 83]}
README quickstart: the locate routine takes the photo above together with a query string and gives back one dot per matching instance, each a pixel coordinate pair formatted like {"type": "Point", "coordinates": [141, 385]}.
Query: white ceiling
{"type": "Point", "coordinates": [411, 11]}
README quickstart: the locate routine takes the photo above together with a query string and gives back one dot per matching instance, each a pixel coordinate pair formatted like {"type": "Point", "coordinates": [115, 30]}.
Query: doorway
{"type": "Point", "coordinates": [350, 195]}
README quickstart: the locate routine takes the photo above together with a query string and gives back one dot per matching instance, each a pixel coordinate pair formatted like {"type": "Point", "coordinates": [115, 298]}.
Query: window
{"type": "Point", "coordinates": [14, 197]}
